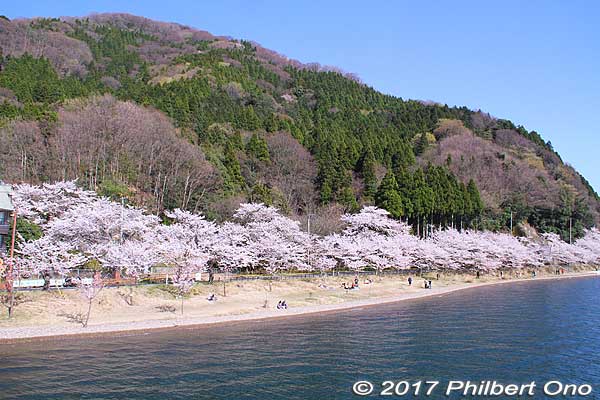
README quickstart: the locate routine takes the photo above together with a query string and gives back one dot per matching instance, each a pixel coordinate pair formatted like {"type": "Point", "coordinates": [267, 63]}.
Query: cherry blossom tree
{"type": "Point", "coordinates": [372, 239]}
{"type": "Point", "coordinates": [185, 246]}
{"type": "Point", "coordinates": [95, 230]}
{"type": "Point", "coordinates": [88, 227]}
{"type": "Point", "coordinates": [48, 257]}
{"type": "Point", "coordinates": [589, 246]}
{"type": "Point", "coordinates": [132, 257]}
{"type": "Point", "coordinates": [556, 251]}
{"type": "Point", "coordinates": [78, 227]}
{"type": "Point", "coordinates": [230, 250]}
{"type": "Point", "coordinates": [90, 291]}
{"type": "Point", "coordinates": [40, 204]}
{"type": "Point", "coordinates": [183, 279]}
{"type": "Point", "coordinates": [273, 241]}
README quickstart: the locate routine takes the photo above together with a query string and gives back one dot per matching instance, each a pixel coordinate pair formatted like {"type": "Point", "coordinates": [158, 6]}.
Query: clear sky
{"type": "Point", "coordinates": [534, 62]}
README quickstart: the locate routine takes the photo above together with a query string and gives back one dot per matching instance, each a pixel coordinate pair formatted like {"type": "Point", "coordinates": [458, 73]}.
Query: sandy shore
{"type": "Point", "coordinates": [52, 314]}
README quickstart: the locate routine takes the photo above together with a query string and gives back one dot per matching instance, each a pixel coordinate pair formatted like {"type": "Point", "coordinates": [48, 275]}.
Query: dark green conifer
{"type": "Point", "coordinates": [387, 196]}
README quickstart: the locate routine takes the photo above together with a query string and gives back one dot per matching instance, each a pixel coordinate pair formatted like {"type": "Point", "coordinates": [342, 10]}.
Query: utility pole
{"type": "Point", "coordinates": [308, 217]}
{"type": "Point", "coordinates": [570, 230]}
{"type": "Point", "coordinates": [11, 279]}
{"type": "Point", "coordinates": [122, 218]}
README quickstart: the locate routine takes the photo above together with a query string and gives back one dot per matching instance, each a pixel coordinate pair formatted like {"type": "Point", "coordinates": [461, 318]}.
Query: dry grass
{"type": "Point", "coordinates": [59, 308]}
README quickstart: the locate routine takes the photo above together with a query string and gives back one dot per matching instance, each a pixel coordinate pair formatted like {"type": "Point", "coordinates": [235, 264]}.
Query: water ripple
{"type": "Point", "coordinates": [511, 333]}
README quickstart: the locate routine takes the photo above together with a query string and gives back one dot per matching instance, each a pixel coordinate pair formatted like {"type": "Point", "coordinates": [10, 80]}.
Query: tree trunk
{"type": "Point", "coordinates": [87, 318]}
{"type": "Point", "coordinates": [10, 305]}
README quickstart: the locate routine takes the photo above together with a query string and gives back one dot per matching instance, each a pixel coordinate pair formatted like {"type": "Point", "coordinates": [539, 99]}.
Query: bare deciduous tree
{"type": "Point", "coordinates": [90, 291]}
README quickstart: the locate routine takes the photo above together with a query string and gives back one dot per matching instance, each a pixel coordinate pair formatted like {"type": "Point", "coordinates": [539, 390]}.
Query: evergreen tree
{"type": "Point", "coordinates": [387, 196]}
{"type": "Point", "coordinates": [367, 171]}
{"type": "Point", "coordinates": [257, 148]}
{"type": "Point", "coordinates": [271, 123]}
{"type": "Point", "coordinates": [475, 199]}
{"type": "Point", "coordinates": [348, 200]}
{"type": "Point", "coordinates": [261, 193]}
{"type": "Point", "coordinates": [251, 120]}
{"type": "Point", "coordinates": [405, 188]}
{"type": "Point", "coordinates": [234, 180]}
{"type": "Point", "coordinates": [422, 197]}
{"type": "Point", "coordinates": [421, 144]}
{"type": "Point", "coordinates": [346, 126]}
{"type": "Point", "coordinates": [467, 206]}
{"type": "Point", "coordinates": [403, 158]}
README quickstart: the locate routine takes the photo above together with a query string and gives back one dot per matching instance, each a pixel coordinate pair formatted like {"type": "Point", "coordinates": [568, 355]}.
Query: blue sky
{"type": "Point", "coordinates": [534, 62]}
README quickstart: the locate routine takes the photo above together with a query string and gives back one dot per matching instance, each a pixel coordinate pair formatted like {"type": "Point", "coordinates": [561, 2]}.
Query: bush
{"type": "Point", "coordinates": [114, 190]}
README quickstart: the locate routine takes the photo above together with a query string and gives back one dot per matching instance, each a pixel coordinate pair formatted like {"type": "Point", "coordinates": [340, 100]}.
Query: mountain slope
{"type": "Point", "coordinates": [243, 122]}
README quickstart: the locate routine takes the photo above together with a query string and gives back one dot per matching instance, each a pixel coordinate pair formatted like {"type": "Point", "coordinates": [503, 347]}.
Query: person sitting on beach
{"type": "Point", "coordinates": [429, 284]}
{"type": "Point", "coordinates": [368, 281]}
{"type": "Point", "coordinates": [279, 306]}
{"type": "Point", "coordinates": [426, 284]}
{"type": "Point", "coordinates": [356, 281]}
{"type": "Point", "coordinates": [282, 305]}
{"type": "Point", "coordinates": [212, 297]}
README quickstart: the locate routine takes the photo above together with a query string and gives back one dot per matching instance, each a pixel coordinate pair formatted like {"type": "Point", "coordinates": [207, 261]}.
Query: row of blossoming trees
{"type": "Point", "coordinates": [79, 227]}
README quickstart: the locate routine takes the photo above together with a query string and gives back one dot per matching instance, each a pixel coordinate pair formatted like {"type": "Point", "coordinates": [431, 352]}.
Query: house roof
{"type": "Point", "coordinates": [5, 200]}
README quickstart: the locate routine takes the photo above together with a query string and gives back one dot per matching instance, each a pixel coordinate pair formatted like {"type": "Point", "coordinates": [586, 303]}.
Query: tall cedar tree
{"type": "Point", "coordinates": [320, 112]}
{"type": "Point", "coordinates": [257, 148]}
{"type": "Point", "coordinates": [367, 172]}
{"type": "Point", "coordinates": [235, 181]}
{"type": "Point", "coordinates": [476, 202]}
{"type": "Point", "coordinates": [387, 196]}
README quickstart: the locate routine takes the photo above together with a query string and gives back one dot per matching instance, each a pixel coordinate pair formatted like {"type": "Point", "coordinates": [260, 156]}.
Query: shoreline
{"type": "Point", "coordinates": [45, 333]}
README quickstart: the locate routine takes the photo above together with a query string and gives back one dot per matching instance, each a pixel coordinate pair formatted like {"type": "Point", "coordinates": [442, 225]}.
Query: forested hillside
{"type": "Point", "coordinates": [169, 116]}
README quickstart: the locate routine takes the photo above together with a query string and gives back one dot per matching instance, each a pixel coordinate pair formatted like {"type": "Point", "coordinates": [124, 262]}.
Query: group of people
{"type": "Point", "coordinates": [426, 283]}
{"type": "Point", "coordinates": [352, 286]}
{"type": "Point", "coordinates": [282, 305]}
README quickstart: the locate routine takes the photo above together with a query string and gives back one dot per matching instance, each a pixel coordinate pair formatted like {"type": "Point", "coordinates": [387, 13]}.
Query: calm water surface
{"type": "Point", "coordinates": [511, 333]}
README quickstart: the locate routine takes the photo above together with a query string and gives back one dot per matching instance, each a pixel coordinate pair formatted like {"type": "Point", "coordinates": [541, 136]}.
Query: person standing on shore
{"type": "Point", "coordinates": [429, 284]}
{"type": "Point", "coordinates": [409, 281]}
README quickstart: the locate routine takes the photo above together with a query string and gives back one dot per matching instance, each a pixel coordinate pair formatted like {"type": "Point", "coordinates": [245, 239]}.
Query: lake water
{"type": "Point", "coordinates": [516, 333]}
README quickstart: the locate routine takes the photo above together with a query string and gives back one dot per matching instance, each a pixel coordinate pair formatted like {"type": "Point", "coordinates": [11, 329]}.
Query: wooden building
{"type": "Point", "coordinates": [6, 209]}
